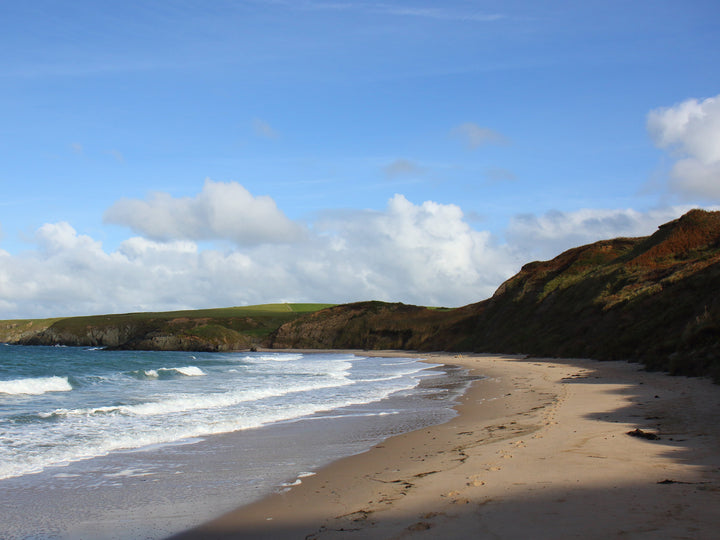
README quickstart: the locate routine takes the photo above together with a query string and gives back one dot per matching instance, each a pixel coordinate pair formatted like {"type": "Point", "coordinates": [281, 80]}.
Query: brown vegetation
{"type": "Point", "coordinates": [655, 300]}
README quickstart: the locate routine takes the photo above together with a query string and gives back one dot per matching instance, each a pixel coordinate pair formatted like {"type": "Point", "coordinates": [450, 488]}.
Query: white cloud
{"type": "Point", "coordinates": [221, 211]}
{"type": "Point", "coordinates": [138, 248]}
{"type": "Point", "coordinates": [475, 136]}
{"type": "Point", "coordinates": [425, 254]}
{"type": "Point", "coordinates": [60, 237]}
{"type": "Point", "coordinates": [415, 253]}
{"type": "Point", "coordinates": [691, 132]}
{"type": "Point", "coordinates": [422, 254]}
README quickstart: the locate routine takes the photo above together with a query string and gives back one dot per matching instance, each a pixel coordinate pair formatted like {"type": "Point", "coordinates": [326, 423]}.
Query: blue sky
{"type": "Point", "coordinates": [166, 155]}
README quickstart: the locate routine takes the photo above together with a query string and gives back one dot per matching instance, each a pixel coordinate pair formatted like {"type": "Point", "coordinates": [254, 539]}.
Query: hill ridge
{"type": "Point", "coordinates": [653, 299]}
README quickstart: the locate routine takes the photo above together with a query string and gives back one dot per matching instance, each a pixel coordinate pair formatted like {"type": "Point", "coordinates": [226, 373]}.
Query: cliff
{"type": "Point", "coordinates": [654, 299]}
{"type": "Point", "coordinates": [364, 325]}
{"type": "Point", "coordinates": [223, 329]}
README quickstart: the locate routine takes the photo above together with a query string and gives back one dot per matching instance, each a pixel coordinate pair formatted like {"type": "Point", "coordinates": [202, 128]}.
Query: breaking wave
{"type": "Point", "coordinates": [35, 386]}
{"type": "Point", "coordinates": [168, 373]}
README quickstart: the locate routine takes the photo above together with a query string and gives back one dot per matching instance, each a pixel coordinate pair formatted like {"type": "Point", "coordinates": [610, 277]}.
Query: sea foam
{"type": "Point", "coordinates": [35, 386]}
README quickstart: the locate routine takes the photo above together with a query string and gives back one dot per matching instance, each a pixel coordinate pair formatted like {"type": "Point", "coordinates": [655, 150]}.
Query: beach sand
{"type": "Point", "coordinates": [540, 449]}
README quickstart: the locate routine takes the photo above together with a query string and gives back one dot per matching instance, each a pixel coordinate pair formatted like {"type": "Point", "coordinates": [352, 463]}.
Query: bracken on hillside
{"type": "Point", "coordinates": [653, 299]}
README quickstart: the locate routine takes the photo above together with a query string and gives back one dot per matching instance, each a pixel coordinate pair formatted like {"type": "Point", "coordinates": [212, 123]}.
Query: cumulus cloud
{"type": "Point", "coordinates": [543, 237]}
{"type": "Point", "coordinates": [423, 253]}
{"type": "Point", "coordinates": [475, 136]}
{"type": "Point", "coordinates": [415, 253]}
{"type": "Point", "coordinates": [691, 132]}
{"type": "Point", "coordinates": [54, 238]}
{"type": "Point", "coordinates": [62, 271]}
{"type": "Point", "coordinates": [221, 211]}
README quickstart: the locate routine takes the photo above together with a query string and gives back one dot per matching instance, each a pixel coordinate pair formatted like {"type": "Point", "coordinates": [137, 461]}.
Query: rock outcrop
{"type": "Point", "coordinates": [224, 329]}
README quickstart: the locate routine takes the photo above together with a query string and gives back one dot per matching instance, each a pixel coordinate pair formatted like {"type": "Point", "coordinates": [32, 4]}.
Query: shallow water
{"type": "Point", "coordinates": [153, 443]}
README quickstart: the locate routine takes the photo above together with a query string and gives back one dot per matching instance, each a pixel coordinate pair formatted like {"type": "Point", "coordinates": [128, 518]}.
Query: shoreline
{"type": "Point", "coordinates": [155, 491]}
{"type": "Point", "coordinates": [539, 449]}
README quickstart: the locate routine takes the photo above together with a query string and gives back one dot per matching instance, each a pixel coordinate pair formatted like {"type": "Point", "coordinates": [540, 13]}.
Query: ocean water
{"type": "Point", "coordinates": [128, 444]}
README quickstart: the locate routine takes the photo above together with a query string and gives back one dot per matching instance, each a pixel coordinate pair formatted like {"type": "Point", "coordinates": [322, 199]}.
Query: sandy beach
{"type": "Point", "coordinates": [539, 449]}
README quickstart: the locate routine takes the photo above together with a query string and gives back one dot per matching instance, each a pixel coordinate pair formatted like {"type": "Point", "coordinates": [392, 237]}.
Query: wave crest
{"type": "Point", "coordinates": [35, 386]}
{"type": "Point", "coordinates": [168, 373]}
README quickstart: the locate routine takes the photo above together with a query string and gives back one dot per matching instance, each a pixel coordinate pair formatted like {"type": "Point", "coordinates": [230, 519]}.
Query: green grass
{"type": "Point", "coordinates": [256, 321]}
{"type": "Point", "coordinates": [308, 308]}
{"type": "Point", "coordinates": [563, 281]}
{"type": "Point", "coordinates": [12, 329]}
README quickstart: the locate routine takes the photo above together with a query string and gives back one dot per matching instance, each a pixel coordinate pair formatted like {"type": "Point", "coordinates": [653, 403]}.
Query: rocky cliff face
{"type": "Point", "coordinates": [654, 299]}
{"type": "Point", "coordinates": [150, 332]}
{"type": "Point", "coordinates": [106, 336]}
{"type": "Point", "coordinates": [362, 325]}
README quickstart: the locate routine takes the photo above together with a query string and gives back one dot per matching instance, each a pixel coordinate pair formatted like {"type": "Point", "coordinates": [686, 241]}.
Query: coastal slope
{"type": "Point", "coordinates": [652, 299]}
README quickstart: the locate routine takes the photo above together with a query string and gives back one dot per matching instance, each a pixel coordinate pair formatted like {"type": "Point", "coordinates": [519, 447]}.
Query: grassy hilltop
{"type": "Point", "coordinates": [220, 329]}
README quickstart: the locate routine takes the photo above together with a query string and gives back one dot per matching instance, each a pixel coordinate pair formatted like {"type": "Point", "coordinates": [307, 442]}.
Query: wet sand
{"type": "Point", "coordinates": [540, 449]}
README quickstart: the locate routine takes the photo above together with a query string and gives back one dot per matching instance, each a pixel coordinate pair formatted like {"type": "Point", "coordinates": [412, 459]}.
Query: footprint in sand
{"type": "Point", "coordinates": [475, 481]}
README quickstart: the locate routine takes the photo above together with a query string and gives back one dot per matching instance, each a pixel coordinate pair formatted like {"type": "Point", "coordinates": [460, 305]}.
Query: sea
{"type": "Point", "coordinates": [98, 444]}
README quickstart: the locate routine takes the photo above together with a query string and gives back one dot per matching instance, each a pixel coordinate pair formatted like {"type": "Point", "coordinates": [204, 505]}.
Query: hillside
{"type": "Point", "coordinates": [221, 329]}
{"type": "Point", "coordinates": [366, 325]}
{"type": "Point", "coordinates": [654, 299]}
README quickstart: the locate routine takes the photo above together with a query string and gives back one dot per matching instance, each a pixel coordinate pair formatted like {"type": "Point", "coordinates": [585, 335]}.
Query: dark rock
{"type": "Point", "coordinates": [643, 434]}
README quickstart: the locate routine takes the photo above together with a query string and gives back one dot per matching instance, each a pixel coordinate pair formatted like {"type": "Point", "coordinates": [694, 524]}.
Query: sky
{"type": "Point", "coordinates": [163, 155]}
